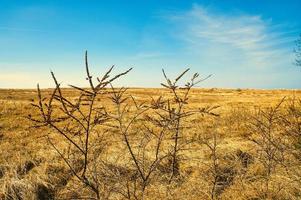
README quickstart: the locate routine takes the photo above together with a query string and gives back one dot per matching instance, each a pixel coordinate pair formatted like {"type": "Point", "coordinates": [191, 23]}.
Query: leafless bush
{"type": "Point", "coordinates": [292, 128]}
{"type": "Point", "coordinates": [175, 111]}
{"type": "Point", "coordinates": [76, 121]}
{"type": "Point", "coordinates": [292, 125]}
{"type": "Point", "coordinates": [152, 133]}
{"type": "Point", "coordinates": [219, 171]}
{"type": "Point", "coordinates": [271, 146]}
{"type": "Point", "coordinates": [211, 142]}
{"type": "Point", "coordinates": [143, 144]}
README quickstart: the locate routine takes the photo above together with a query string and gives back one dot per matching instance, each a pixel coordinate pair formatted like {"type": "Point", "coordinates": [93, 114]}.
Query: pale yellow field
{"type": "Point", "coordinates": [31, 169]}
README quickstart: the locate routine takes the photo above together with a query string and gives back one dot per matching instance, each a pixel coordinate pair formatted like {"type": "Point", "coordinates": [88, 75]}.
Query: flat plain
{"type": "Point", "coordinates": [30, 168]}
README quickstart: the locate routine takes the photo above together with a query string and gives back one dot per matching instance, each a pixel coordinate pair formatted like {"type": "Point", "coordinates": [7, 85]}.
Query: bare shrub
{"type": "Point", "coordinates": [271, 146]}
{"type": "Point", "coordinates": [292, 128]}
{"type": "Point", "coordinates": [219, 169]}
{"type": "Point", "coordinates": [76, 122]}
{"type": "Point", "coordinates": [292, 125]}
{"type": "Point", "coordinates": [176, 111]}
{"type": "Point", "coordinates": [152, 133]}
{"type": "Point", "coordinates": [143, 144]}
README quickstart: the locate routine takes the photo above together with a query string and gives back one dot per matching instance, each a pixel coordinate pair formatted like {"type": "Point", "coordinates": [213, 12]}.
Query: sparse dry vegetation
{"type": "Point", "coordinates": [178, 142]}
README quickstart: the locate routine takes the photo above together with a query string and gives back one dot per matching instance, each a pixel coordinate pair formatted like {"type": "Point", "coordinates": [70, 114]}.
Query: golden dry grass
{"type": "Point", "coordinates": [31, 169]}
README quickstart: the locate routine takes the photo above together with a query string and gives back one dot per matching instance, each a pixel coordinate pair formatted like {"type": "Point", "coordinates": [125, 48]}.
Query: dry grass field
{"type": "Point", "coordinates": [226, 156]}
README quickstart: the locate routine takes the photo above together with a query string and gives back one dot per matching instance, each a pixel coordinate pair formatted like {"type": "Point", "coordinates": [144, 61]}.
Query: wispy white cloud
{"type": "Point", "coordinates": [236, 39]}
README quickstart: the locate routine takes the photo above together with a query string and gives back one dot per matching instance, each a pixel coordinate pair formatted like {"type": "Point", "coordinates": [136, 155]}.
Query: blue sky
{"type": "Point", "coordinates": [244, 44]}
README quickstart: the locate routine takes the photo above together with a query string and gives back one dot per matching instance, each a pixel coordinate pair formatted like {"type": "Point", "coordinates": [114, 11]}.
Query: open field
{"type": "Point", "coordinates": [31, 168]}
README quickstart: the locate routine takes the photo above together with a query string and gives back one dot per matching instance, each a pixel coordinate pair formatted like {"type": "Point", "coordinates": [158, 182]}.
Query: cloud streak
{"type": "Point", "coordinates": [249, 39]}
